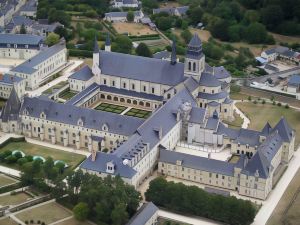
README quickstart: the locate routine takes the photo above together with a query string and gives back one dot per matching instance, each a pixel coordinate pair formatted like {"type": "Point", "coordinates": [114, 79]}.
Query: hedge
{"type": "Point", "coordinates": [80, 53]}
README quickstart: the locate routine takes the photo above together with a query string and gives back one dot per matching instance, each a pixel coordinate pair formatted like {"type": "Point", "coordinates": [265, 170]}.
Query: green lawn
{"type": "Point", "coordinates": [67, 94]}
{"type": "Point", "coordinates": [48, 213]}
{"type": "Point", "coordinates": [14, 199]}
{"type": "Point", "coordinates": [138, 113]}
{"type": "Point", "coordinates": [259, 114]}
{"type": "Point", "coordinates": [72, 159]}
{"type": "Point", "coordinates": [5, 180]}
{"type": "Point", "coordinates": [8, 221]}
{"type": "Point", "coordinates": [111, 108]}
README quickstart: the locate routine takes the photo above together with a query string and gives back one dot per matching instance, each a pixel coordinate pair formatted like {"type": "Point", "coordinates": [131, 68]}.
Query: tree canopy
{"type": "Point", "coordinates": [143, 50]}
{"type": "Point", "coordinates": [52, 39]}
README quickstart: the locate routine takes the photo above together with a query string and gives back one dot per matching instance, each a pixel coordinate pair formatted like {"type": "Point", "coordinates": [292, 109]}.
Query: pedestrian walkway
{"type": "Point", "coordinates": [9, 171]}
{"type": "Point", "coordinates": [246, 120]}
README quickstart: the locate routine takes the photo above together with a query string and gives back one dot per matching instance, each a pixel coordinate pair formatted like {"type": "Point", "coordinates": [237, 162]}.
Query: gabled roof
{"type": "Point", "coordinates": [212, 123]}
{"type": "Point", "coordinates": [141, 68]}
{"type": "Point", "coordinates": [197, 115]}
{"type": "Point", "coordinates": [258, 163]}
{"type": "Point", "coordinates": [216, 96]}
{"type": "Point", "coordinates": [284, 130]}
{"type": "Point", "coordinates": [11, 108]}
{"type": "Point", "coordinates": [208, 80]}
{"type": "Point", "coordinates": [10, 79]}
{"type": "Point", "coordinates": [23, 39]}
{"type": "Point", "coordinates": [294, 80]}
{"type": "Point", "coordinates": [247, 136]}
{"type": "Point", "coordinates": [162, 55]}
{"type": "Point", "coordinates": [191, 84]}
{"type": "Point", "coordinates": [143, 215]}
{"type": "Point", "coordinates": [84, 74]}
{"type": "Point", "coordinates": [266, 129]}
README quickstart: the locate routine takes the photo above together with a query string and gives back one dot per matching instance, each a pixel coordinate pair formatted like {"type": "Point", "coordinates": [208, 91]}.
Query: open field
{"type": "Point", "coordinates": [111, 108]}
{"type": "Point", "coordinates": [204, 35]}
{"type": "Point", "coordinates": [259, 114]}
{"type": "Point", "coordinates": [14, 199]}
{"type": "Point", "coordinates": [72, 159]}
{"type": "Point", "coordinates": [5, 180]}
{"type": "Point", "coordinates": [138, 113]}
{"type": "Point", "coordinates": [73, 221]}
{"type": "Point", "coordinates": [7, 221]}
{"type": "Point", "coordinates": [135, 29]}
{"type": "Point", "coordinates": [48, 213]}
{"type": "Point", "coordinates": [284, 213]}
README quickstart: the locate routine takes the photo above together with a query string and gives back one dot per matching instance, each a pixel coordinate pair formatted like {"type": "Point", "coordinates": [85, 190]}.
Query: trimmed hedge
{"type": "Point", "coordinates": [80, 53]}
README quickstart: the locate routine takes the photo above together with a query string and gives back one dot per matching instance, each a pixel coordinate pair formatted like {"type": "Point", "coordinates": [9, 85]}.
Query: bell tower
{"type": "Point", "coordinates": [194, 59]}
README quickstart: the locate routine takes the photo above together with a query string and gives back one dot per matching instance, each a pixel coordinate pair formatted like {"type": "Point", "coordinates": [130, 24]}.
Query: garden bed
{"type": "Point", "coordinates": [138, 113]}
{"type": "Point", "coordinates": [111, 108]}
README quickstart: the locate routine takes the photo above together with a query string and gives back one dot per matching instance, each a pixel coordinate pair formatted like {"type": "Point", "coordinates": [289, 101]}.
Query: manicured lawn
{"type": "Point", "coordinates": [111, 108]}
{"type": "Point", "coordinates": [259, 114]}
{"type": "Point", "coordinates": [67, 94]}
{"type": "Point", "coordinates": [73, 221]}
{"type": "Point", "coordinates": [138, 113]}
{"type": "Point", "coordinates": [5, 180]}
{"type": "Point", "coordinates": [72, 159]}
{"type": "Point", "coordinates": [8, 221]}
{"type": "Point", "coordinates": [14, 199]}
{"type": "Point", "coordinates": [48, 213]}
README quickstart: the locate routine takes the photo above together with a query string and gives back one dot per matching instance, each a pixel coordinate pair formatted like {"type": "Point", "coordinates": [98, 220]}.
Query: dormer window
{"type": "Point", "coordinates": [105, 127]}
{"type": "Point", "coordinates": [43, 115]}
{"type": "Point", "coordinates": [25, 112]}
{"type": "Point", "coordinates": [80, 122]}
{"type": "Point", "coordinates": [110, 167]}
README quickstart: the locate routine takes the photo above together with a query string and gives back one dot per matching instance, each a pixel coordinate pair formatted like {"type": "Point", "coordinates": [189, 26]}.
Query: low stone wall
{"type": "Point", "coordinates": [30, 203]}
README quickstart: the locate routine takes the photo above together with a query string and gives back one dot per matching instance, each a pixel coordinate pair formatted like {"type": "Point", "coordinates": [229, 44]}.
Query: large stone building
{"type": "Point", "coordinates": [187, 101]}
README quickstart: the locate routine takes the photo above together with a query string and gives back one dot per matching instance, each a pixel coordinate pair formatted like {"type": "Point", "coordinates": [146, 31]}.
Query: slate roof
{"type": "Point", "coordinates": [208, 80]}
{"type": "Point", "coordinates": [197, 162]}
{"type": "Point", "coordinates": [19, 20]}
{"type": "Point", "coordinates": [69, 114]}
{"type": "Point", "coordinates": [266, 129]}
{"type": "Point", "coordinates": [81, 95]}
{"type": "Point", "coordinates": [247, 136]}
{"type": "Point", "coordinates": [215, 96]}
{"type": "Point", "coordinates": [213, 104]}
{"type": "Point", "coordinates": [99, 165]}
{"type": "Point", "coordinates": [84, 74]}
{"type": "Point", "coordinates": [10, 79]}
{"type": "Point", "coordinates": [228, 132]}
{"type": "Point", "coordinates": [130, 93]}
{"type": "Point", "coordinates": [220, 72]}
{"type": "Point", "coordinates": [258, 163]}
{"type": "Point", "coordinates": [121, 14]}
{"type": "Point", "coordinates": [284, 130]}
{"type": "Point", "coordinates": [11, 108]}
{"type": "Point", "coordinates": [191, 84]}
{"type": "Point", "coordinates": [145, 213]}
{"type": "Point", "coordinates": [162, 55]}
{"type": "Point", "coordinates": [141, 68]}
{"type": "Point", "coordinates": [212, 123]}
{"type": "Point", "coordinates": [194, 48]}
{"type": "Point", "coordinates": [294, 80]}
{"type": "Point", "coordinates": [23, 39]}
{"type": "Point", "coordinates": [197, 115]}
{"type": "Point", "coordinates": [27, 67]}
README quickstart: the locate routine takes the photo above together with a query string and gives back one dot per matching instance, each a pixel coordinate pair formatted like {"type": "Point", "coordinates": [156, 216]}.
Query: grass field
{"type": "Point", "coordinates": [135, 29]}
{"type": "Point", "coordinates": [138, 113]}
{"type": "Point", "coordinates": [111, 108]}
{"type": "Point", "coordinates": [14, 199]}
{"type": "Point", "coordinates": [5, 180]}
{"type": "Point", "coordinates": [259, 114]}
{"type": "Point", "coordinates": [72, 159]}
{"type": "Point", "coordinates": [283, 214]}
{"type": "Point", "coordinates": [285, 39]}
{"type": "Point", "coordinates": [48, 213]}
{"type": "Point", "coordinates": [73, 221]}
{"type": "Point", "coordinates": [7, 221]}
{"type": "Point", "coordinates": [67, 94]}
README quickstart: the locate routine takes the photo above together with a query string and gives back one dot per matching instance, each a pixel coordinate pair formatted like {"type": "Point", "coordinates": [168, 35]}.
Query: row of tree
{"type": "Point", "coordinates": [193, 200]}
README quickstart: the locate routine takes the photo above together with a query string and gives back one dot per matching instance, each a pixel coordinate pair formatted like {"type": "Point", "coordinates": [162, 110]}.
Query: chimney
{"type": "Point", "coordinates": [178, 116]}
{"type": "Point", "coordinates": [160, 133]}
{"type": "Point", "coordinates": [94, 154]}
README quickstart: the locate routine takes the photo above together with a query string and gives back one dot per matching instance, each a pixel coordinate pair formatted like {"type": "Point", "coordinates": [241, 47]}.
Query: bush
{"type": "Point", "coordinates": [263, 101]}
{"type": "Point", "coordinates": [274, 103]}
{"type": "Point", "coordinates": [26, 221]}
{"type": "Point", "coordinates": [81, 211]}
{"type": "Point", "coordinates": [18, 155]}
{"type": "Point", "coordinates": [287, 106]}
{"type": "Point", "coordinates": [255, 102]}
{"type": "Point", "coordinates": [249, 98]}
{"type": "Point", "coordinates": [29, 158]}
{"type": "Point", "coordinates": [278, 104]}
{"type": "Point", "coordinates": [31, 221]}
{"type": "Point", "coordinates": [22, 161]}
{"type": "Point", "coordinates": [11, 159]}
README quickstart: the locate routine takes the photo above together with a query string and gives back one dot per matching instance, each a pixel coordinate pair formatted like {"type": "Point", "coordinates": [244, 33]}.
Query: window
{"type": "Point", "coordinates": [152, 90]}
{"type": "Point", "coordinates": [113, 83]}
{"type": "Point", "coordinates": [190, 66]}
{"type": "Point", "coordinates": [144, 88]}
{"type": "Point", "coordinates": [124, 85]}
{"type": "Point", "coordinates": [194, 66]}
{"type": "Point", "coordinates": [132, 86]}
{"type": "Point", "coordinates": [104, 81]}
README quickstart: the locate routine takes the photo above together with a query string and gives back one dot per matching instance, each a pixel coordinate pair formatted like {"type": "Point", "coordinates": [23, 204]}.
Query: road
{"type": "Point", "coordinates": [64, 77]}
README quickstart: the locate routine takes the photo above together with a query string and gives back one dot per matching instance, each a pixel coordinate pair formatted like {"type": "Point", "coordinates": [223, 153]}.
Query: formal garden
{"type": "Point", "coordinates": [6, 180]}
{"type": "Point", "coordinates": [67, 94]}
{"type": "Point", "coordinates": [55, 87]}
{"type": "Point", "coordinates": [111, 108]}
{"type": "Point", "coordinates": [138, 113]}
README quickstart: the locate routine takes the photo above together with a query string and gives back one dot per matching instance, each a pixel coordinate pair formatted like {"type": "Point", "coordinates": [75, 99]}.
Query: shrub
{"type": "Point", "coordinates": [249, 98]}
{"type": "Point", "coordinates": [38, 222]}
{"type": "Point", "coordinates": [22, 161]}
{"type": "Point", "coordinates": [7, 153]}
{"type": "Point", "coordinates": [278, 104]}
{"type": "Point", "coordinates": [43, 223]}
{"type": "Point", "coordinates": [26, 221]}
{"type": "Point", "coordinates": [81, 211]}
{"type": "Point", "coordinates": [29, 158]}
{"type": "Point", "coordinates": [274, 103]}
{"type": "Point", "coordinates": [11, 159]}
{"type": "Point", "coordinates": [31, 221]}
{"type": "Point", "coordinates": [263, 101]}
{"type": "Point", "coordinates": [18, 155]}
{"type": "Point", "coordinates": [255, 102]}
{"type": "Point", "coordinates": [287, 106]}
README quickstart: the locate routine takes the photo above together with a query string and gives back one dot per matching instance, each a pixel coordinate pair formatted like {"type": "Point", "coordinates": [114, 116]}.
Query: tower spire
{"type": "Point", "coordinates": [173, 54]}
{"type": "Point", "coordinates": [107, 43]}
{"type": "Point", "coordinates": [96, 46]}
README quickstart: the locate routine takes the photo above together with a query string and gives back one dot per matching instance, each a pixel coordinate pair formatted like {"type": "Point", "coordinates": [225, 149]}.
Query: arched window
{"type": "Point", "coordinates": [116, 99]}
{"type": "Point", "coordinates": [190, 65]}
{"type": "Point", "coordinates": [147, 104]}
{"type": "Point", "coordinates": [194, 66]}
{"type": "Point", "coordinates": [124, 85]}
{"type": "Point", "coordinates": [141, 103]}
{"type": "Point", "coordinates": [134, 102]}
{"type": "Point", "coordinates": [169, 96]}
{"type": "Point", "coordinates": [108, 97]}
{"type": "Point", "coordinates": [122, 100]}
{"type": "Point", "coordinates": [132, 86]}
{"type": "Point", "coordinates": [129, 101]}
{"type": "Point", "coordinates": [102, 96]}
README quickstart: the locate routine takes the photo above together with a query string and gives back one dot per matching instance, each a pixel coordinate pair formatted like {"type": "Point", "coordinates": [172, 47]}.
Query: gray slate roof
{"type": "Point", "coordinates": [162, 55]}
{"type": "Point", "coordinates": [93, 119]}
{"type": "Point", "coordinates": [141, 68]}
{"type": "Point", "coordinates": [197, 115]}
{"type": "Point", "coordinates": [294, 80]}
{"type": "Point", "coordinates": [10, 79]}
{"type": "Point", "coordinates": [247, 136]}
{"type": "Point", "coordinates": [212, 123]}
{"type": "Point", "coordinates": [11, 108]}
{"type": "Point", "coordinates": [215, 96]}
{"type": "Point", "coordinates": [81, 95]}
{"type": "Point", "coordinates": [145, 213]}
{"type": "Point", "coordinates": [197, 162]}
{"type": "Point", "coordinates": [84, 74]}
{"type": "Point", "coordinates": [284, 130]}
{"type": "Point", "coordinates": [209, 80]}
{"type": "Point", "coordinates": [23, 39]}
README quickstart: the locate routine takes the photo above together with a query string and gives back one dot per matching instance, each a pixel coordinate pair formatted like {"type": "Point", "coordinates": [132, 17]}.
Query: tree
{"type": "Point", "coordinates": [143, 50]}
{"type": "Point", "coordinates": [195, 15]}
{"type": "Point", "coordinates": [52, 39]}
{"type": "Point", "coordinates": [130, 16]}
{"type": "Point", "coordinates": [81, 211]}
{"type": "Point", "coordinates": [186, 35]}
{"type": "Point", "coordinates": [122, 44]}
{"type": "Point", "coordinates": [164, 23]}
{"type": "Point", "coordinates": [272, 16]}
{"type": "Point", "coordinates": [119, 214]}
{"type": "Point", "coordinates": [23, 29]}
{"type": "Point", "coordinates": [256, 33]}
{"type": "Point", "coordinates": [220, 30]}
